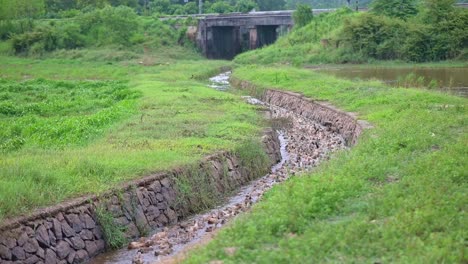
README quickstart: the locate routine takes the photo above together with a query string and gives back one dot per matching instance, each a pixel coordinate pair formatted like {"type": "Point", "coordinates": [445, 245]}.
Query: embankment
{"type": "Point", "coordinates": [344, 123]}
{"type": "Point", "coordinates": [76, 231]}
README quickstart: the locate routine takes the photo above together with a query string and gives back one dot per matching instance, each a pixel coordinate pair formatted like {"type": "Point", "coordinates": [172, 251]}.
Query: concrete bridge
{"type": "Point", "coordinates": [225, 36]}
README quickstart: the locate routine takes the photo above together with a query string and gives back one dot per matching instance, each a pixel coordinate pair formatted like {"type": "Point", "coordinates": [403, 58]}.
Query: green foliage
{"type": "Point", "coordinates": [51, 114]}
{"type": "Point", "coordinates": [173, 123]}
{"type": "Point", "coordinates": [110, 25]}
{"type": "Point", "coordinates": [398, 196]}
{"type": "Point", "coordinates": [114, 234]}
{"type": "Point", "coordinates": [197, 188]}
{"type": "Point", "coordinates": [395, 8]}
{"type": "Point", "coordinates": [374, 36]}
{"type": "Point", "coordinates": [220, 7]}
{"type": "Point", "coordinates": [245, 6]}
{"type": "Point", "coordinates": [267, 5]}
{"type": "Point", "coordinates": [436, 33]}
{"type": "Point", "coordinates": [302, 16]}
{"type": "Point", "coordinates": [9, 28]}
{"type": "Point", "coordinates": [15, 9]}
{"type": "Point", "coordinates": [435, 11]}
{"type": "Point", "coordinates": [253, 158]}
{"type": "Point", "coordinates": [303, 44]}
{"type": "Point", "coordinates": [323, 4]}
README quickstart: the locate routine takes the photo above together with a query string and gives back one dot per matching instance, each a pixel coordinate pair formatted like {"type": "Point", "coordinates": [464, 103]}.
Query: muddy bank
{"type": "Point", "coordinates": [74, 232]}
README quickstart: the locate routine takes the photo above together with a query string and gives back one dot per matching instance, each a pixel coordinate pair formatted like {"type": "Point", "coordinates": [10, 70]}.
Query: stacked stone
{"type": "Point", "coordinates": [66, 238]}
{"type": "Point", "coordinates": [70, 233]}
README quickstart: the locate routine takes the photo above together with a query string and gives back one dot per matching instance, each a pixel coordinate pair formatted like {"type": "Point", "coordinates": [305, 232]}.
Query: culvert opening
{"type": "Point", "coordinates": [226, 43]}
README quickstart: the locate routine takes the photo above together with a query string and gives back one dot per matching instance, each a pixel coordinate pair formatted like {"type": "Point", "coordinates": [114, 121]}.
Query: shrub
{"type": "Point", "coordinates": [303, 15]}
{"type": "Point", "coordinates": [12, 27]}
{"type": "Point", "coordinates": [245, 6]}
{"type": "Point", "coordinates": [109, 25]}
{"type": "Point", "coordinates": [375, 36]}
{"type": "Point", "coordinates": [395, 8]}
{"type": "Point", "coordinates": [40, 40]}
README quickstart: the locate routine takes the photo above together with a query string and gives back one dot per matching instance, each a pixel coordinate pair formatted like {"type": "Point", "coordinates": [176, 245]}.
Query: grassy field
{"type": "Point", "coordinates": [398, 196]}
{"type": "Point", "coordinates": [72, 127]}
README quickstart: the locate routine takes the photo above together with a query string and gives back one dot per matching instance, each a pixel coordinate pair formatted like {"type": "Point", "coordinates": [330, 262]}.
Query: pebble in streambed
{"type": "Point", "coordinates": [305, 144]}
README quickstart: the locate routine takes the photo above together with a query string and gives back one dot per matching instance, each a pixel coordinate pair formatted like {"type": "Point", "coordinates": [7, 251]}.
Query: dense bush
{"type": "Point", "coordinates": [374, 36]}
{"type": "Point", "coordinates": [11, 27]}
{"type": "Point", "coordinates": [438, 33]}
{"type": "Point", "coordinates": [395, 8]}
{"type": "Point", "coordinates": [302, 16]}
{"type": "Point", "coordinates": [109, 26]}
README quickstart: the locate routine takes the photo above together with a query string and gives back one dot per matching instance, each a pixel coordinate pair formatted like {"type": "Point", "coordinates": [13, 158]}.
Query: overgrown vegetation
{"type": "Point", "coordinates": [302, 16]}
{"type": "Point", "coordinates": [114, 234]}
{"type": "Point", "coordinates": [197, 188]}
{"type": "Point", "coordinates": [398, 196]}
{"type": "Point", "coordinates": [117, 27]}
{"type": "Point", "coordinates": [393, 30]}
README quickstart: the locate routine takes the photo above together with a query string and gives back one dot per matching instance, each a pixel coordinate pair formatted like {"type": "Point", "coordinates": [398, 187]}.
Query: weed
{"type": "Point", "coordinates": [397, 196]}
{"type": "Point", "coordinates": [114, 234]}
{"type": "Point", "coordinates": [63, 138]}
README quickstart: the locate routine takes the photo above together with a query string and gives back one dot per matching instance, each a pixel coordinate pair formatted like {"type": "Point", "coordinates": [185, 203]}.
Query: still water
{"type": "Point", "coordinates": [450, 79]}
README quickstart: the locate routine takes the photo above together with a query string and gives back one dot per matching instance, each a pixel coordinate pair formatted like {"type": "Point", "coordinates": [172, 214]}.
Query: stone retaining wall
{"type": "Point", "coordinates": [339, 121]}
{"type": "Point", "coordinates": [71, 233]}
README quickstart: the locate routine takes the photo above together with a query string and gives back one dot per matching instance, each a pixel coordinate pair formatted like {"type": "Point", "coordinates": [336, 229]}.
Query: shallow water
{"type": "Point", "coordinates": [124, 256]}
{"type": "Point", "coordinates": [304, 144]}
{"type": "Point", "coordinates": [450, 79]}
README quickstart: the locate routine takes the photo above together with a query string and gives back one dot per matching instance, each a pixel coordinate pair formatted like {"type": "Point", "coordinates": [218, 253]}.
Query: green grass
{"type": "Point", "coordinates": [398, 196]}
{"type": "Point", "coordinates": [82, 136]}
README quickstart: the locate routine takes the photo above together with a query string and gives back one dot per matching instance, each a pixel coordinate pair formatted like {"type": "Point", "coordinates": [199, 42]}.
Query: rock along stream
{"type": "Point", "coordinates": [304, 144]}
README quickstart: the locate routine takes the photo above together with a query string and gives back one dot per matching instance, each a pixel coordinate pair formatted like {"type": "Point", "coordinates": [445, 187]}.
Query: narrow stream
{"type": "Point", "coordinates": [304, 144]}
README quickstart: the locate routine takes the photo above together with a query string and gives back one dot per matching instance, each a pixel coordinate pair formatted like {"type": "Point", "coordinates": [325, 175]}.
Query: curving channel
{"type": "Point", "coordinates": [304, 144]}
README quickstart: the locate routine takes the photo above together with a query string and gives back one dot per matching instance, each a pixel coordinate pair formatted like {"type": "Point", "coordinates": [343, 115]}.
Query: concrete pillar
{"type": "Point", "coordinates": [253, 38]}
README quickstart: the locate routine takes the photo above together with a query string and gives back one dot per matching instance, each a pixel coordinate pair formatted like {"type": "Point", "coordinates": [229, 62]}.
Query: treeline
{"type": "Point", "coordinates": [13, 9]}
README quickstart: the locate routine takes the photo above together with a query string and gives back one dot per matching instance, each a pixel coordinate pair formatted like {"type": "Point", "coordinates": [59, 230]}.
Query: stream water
{"type": "Point", "coordinates": [304, 144]}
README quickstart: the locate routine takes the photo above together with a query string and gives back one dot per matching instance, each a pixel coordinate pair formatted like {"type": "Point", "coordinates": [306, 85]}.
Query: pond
{"type": "Point", "coordinates": [450, 79]}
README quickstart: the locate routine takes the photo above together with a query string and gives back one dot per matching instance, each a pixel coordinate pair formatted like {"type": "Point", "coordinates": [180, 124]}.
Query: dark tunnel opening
{"type": "Point", "coordinates": [226, 42]}
{"type": "Point", "coordinates": [266, 35]}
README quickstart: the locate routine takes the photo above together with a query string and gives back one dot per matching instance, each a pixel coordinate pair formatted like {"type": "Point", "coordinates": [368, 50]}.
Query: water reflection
{"type": "Point", "coordinates": [453, 80]}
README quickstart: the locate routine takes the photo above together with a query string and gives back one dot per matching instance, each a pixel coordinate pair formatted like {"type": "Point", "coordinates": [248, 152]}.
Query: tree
{"type": "Point", "coordinates": [435, 11]}
{"type": "Point", "coordinates": [220, 7]}
{"type": "Point", "coordinates": [91, 3]}
{"type": "Point", "coordinates": [161, 6]}
{"type": "Point", "coordinates": [58, 5]}
{"type": "Point", "coordinates": [267, 5]}
{"type": "Point", "coordinates": [303, 15]}
{"type": "Point", "coordinates": [11, 9]}
{"type": "Point", "coordinates": [245, 6]}
{"type": "Point", "coordinates": [191, 8]}
{"type": "Point", "coordinates": [395, 8]}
